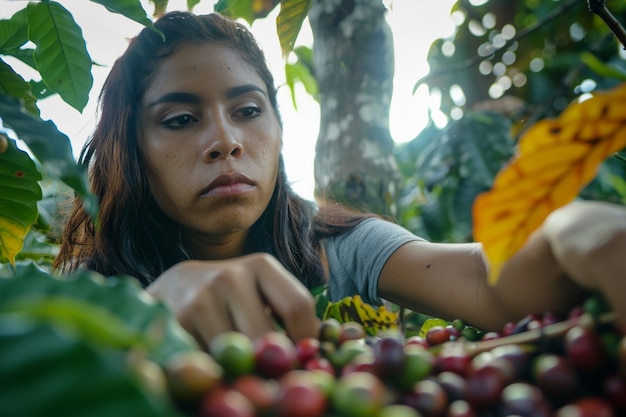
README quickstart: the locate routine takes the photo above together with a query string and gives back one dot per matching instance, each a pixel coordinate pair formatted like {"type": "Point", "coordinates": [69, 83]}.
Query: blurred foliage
{"type": "Point", "coordinates": [530, 49]}
{"type": "Point", "coordinates": [514, 63]}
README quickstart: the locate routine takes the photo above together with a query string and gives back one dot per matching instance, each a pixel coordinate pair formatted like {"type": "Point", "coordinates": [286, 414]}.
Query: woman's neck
{"type": "Point", "coordinates": [215, 248]}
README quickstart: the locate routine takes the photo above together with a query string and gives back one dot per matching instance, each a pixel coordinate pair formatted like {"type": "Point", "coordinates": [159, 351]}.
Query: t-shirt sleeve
{"type": "Point", "coordinates": [356, 258]}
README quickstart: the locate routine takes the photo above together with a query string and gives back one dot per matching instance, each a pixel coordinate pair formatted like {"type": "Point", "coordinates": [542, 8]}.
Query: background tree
{"type": "Point", "coordinates": [354, 68]}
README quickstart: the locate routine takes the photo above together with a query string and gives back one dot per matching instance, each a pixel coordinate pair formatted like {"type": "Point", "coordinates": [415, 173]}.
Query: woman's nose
{"type": "Point", "coordinates": [223, 143]}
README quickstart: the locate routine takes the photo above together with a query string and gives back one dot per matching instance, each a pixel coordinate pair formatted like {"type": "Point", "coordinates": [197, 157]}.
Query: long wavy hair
{"type": "Point", "coordinates": [132, 236]}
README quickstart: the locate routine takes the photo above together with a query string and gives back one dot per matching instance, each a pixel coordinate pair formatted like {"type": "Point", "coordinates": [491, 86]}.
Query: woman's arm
{"type": "Point", "coordinates": [579, 248]}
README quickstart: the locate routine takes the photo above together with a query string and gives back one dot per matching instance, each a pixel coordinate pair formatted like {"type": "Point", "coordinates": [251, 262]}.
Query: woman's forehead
{"type": "Point", "coordinates": [213, 64]}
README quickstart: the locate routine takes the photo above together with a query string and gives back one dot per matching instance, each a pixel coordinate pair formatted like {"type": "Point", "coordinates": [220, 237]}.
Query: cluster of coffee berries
{"type": "Point", "coordinates": [540, 366]}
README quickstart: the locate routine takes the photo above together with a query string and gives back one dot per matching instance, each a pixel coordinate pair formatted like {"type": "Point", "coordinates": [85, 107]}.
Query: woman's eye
{"type": "Point", "coordinates": [249, 112]}
{"type": "Point", "coordinates": [179, 121]}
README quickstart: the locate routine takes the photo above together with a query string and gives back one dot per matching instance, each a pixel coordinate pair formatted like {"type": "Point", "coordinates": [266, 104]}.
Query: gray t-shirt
{"type": "Point", "coordinates": [356, 258]}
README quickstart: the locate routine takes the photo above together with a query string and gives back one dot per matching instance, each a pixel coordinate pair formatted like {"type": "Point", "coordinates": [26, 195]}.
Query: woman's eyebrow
{"type": "Point", "coordinates": [181, 97]}
{"type": "Point", "coordinates": [176, 97]}
{"type": "Point", "coordinates": [243, 89]}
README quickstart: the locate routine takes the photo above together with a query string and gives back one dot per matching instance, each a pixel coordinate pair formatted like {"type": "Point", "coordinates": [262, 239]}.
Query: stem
{"type": "Point", "coordinates": [599, 7]}
{"type": "Point", "coordinates": [536, 335]}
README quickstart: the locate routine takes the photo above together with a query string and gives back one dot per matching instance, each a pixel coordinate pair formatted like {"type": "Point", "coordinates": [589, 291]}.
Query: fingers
{"type": "Point", "coordinates": [249, 295]}
{"type": "Point", "coordinates": [290, 301]}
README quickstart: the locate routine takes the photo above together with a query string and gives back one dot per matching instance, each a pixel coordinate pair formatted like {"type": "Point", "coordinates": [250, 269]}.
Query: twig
{"type": "Point", "coordinates": [536, 335]}
{"type": "Point", "coordinates": [599, 7]}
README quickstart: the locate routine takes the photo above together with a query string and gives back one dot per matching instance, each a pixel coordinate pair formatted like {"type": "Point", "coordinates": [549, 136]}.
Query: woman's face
{"type": "Point", "coordinates": [212, 142]}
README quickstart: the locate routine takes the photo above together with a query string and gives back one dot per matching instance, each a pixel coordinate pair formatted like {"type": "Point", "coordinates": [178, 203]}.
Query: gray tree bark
{"type": "Point", "coordinates": [353, 60]}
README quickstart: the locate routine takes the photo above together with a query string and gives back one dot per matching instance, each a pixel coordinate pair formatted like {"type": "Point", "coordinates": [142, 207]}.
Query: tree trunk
{"type": "Point", "coordinates": [354, 66]}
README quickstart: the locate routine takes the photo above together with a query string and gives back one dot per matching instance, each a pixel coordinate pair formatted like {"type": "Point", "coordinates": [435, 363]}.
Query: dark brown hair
{"type": "Point", "coordinates": [132, 235]}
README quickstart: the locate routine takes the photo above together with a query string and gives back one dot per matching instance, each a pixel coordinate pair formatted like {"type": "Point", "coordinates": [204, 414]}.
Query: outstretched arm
{"type": "Point", "coordinates": [579, 248]}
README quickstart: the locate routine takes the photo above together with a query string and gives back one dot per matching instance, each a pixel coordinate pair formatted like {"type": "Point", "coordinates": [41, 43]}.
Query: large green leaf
{"type": "Point", "coordinates": [12, 84]}
{"type": "Point", "coordinates": [61, 54]}
{"type": "Point", "coordinates": [13, 31]}
{"type": "Point", "coordinates": [51, 147]}
{"type": "Point", "coordinates": [131, 9]}
{"type": "Point", "coordinates": [109, 312]}
{"type": "Point", "coordinates": [289, 22]}
{"type": "Point", "coordinates": [48, 372]}
{"type": "Point", "coordinates": [19, 194]}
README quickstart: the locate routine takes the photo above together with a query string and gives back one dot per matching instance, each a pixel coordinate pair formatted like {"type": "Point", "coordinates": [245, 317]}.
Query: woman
{"type": "Point", "coordinates": [194, 202]}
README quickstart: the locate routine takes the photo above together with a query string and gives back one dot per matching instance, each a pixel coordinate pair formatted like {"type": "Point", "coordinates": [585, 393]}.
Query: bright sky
{"type": "Point", "coordinates": [415, 24]}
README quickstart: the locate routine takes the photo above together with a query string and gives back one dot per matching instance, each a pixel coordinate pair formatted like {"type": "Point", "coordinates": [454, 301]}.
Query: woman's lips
{"type": "Point", "coordinates": [229, 190]}
{"type": "Point", "coordinates": [228, 185]}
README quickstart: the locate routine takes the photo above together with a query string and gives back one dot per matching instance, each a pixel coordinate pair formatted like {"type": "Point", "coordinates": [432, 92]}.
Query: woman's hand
{"type": "Point", "coordinates": [581, 247]}
{"type": "Point", "coordinates": [588, 240]}
{"type": "Point", "coordinates": [248, 294]}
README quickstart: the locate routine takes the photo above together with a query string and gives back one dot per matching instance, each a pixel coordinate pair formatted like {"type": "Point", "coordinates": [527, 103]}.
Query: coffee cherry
{"type": "Point", "coordinates": [524, 400]}
{"type": "Point", "coordinates": [233, 351]}
{"type": "Point", "coordinates": [226, 402]}
{"type": "Point", "coordinates": [418, 364]}
{"type": "Point", "coordinates": [358, 394]}
{"type": "Point", "coordinates": [329, 331]}
{"type": "Point", "coordinates": [586, 407]}
{"type": "Point", "coordinates": [484, 386]}
{"type": "Point", "coordinates": [350, 331]}
{"type": "Point", "coordinates": [614, 389]}
{"type": "Point", "coordinates": [389, 356]}
{"type": "Point", "coordinates": [454, 384]}
{"type": "Point", "coordinates": [300, 396]}
{"type": "Point", "coordinates": [437, 335]}
{"type": "Point", "coordinates": [261, 392]}
{"type": "Point", "coordinates": [584, 348]}
{"type": "Point", "coordinates": [191, 374]}
{"type": "Point", "coordinates": [274, 354]}
{"type": "Point", "coordinates": [461, 408]}
{"type": "Point", "coordinates": [556, 376]}
{"type": "Point", "coordinates": [306, 349]}
{"type": "Point", "coordinates": [453, 358]}
{"type": "Point", "coordinates": [427, 397]}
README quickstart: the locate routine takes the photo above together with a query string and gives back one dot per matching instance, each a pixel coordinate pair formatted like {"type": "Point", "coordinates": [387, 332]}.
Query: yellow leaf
{"type": "Point", "coordinates": [430, 323]}
{"type": "Point", "coordinates": [555, 159]}
{"type": "Point", "coordinates": [354, 309]}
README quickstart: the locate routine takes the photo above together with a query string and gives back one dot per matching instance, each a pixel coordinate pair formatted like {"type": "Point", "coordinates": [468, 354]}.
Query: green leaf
{"type": "Point", "coordinates": [13, 32]}
{"type": "Point", "coordinates": [86, 319]}
{"type": "Point", "coordinates": [12, 84]}
{"type": "Point", "coordinates": [26, 55]}
{"type": "Point", "coordinates": [249, 10]}
{"type": "Point", "coordinates": [192, 3]}
{"type": "Point", "coordinates": [61, 55]}
{"type": "Point", "coordinates": [52, 373]}
{"type": "Point", "coordinates": [40, 90]}
{"type": "Point", "coordinates": [131, 9]}
{"type": "Point", "coordinates": [601, 68]}
{"type": "Point", "coordinates": [19, 193]}
{"type": "Point", "coordinates": [299, 72]}
{"type": "Point", "coordinates": [37, 250]}
{"type": "Point", "coordinates": [289, 22]}
{"type": "Point", "coordinates": [51, 147]}
{"type": "Point", "coordinates": [118, 302]}
{"type": "Point", "coordinates": [160, 7]}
